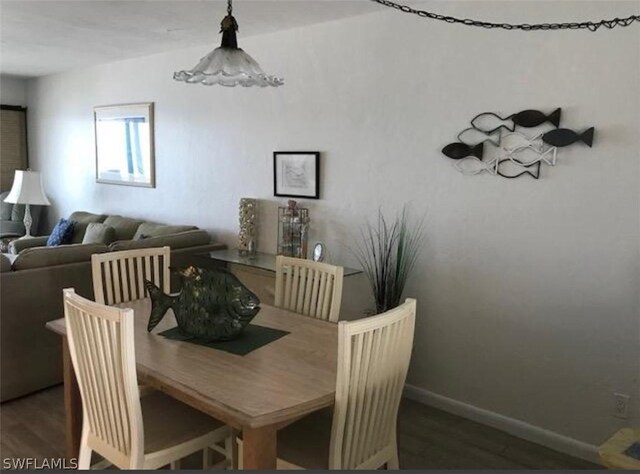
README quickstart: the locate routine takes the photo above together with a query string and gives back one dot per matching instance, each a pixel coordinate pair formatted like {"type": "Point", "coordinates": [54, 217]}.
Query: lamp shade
{"type": "Point", "coordinates": [27, 189]}
{"type": "Point", "coordinates": [228, 67]}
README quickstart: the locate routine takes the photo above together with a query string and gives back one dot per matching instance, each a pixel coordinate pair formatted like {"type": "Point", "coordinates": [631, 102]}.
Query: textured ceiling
{"type": "Point", "coordinates": [45, 37]}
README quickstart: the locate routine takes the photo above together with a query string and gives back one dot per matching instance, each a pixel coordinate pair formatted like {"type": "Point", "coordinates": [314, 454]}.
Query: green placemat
{"type": "Point", "coordinates": [253, 337]}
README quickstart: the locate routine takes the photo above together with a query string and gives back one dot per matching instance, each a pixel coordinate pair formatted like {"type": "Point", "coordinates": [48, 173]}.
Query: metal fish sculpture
{"type": "Point", "coordinates": [516, 141]}
{"type": "Point", "coordinates": [471, 166]}
{"type": "Point", "coordinates": [459, 150]}
{"type": "Point", "coordinates": [563, 137]}
{"type": "Point", "coordinates": [472, 136]}
{"type": "Point", "coordinates": [533, 118]}
{"type": "Point", "coordinates": [507, 168]}
{"type": "Point", "coordinates": [489, 122]}
{"type": "Point", "coordinates": [528, 155]}
{"type": "Point", "coordinates": [213, 304]}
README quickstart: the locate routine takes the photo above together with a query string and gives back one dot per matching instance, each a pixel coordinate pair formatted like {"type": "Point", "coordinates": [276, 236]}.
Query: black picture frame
{"type": "Point", "coordinates": [304, 175]}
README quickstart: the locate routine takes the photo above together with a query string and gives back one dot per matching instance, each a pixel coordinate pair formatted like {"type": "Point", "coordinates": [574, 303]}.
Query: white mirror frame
{"type": "Point", "coordinates": [319, 252]}
{"type": "Point", "coordinates": [126, 110]}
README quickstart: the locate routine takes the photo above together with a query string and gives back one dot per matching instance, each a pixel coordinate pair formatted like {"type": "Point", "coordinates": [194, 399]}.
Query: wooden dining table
{"type": "Point", "coordinates": [257, 393]}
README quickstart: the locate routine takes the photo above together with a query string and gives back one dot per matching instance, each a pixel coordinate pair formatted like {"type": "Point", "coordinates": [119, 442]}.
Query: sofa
{"type": "Point", "coordinates": [32, 279]}
{"type": "Point", "coordinates": [12, 217]}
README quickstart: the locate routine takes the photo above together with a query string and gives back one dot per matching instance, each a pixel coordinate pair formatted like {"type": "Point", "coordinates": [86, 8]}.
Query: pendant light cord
{"type": "Point", "coordinates": [589, 25]}
{"type": "Point", "coordinates": [229, 7]}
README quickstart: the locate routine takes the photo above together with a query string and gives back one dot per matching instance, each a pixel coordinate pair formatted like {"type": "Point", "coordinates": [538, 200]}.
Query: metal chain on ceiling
{"type": "Point", "coordinates": [589, 25]}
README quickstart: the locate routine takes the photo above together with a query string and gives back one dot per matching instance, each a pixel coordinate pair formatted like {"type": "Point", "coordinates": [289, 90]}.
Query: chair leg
{"type": "Point", "coordinates": [238, 453]}
{"type": "Point", "coordinates": [206, 459]}
{"type": "Point", "coordinates": [84, 458]}
{"type": "Point", "coordinates": [394, 462]}
{"type": "Point", "coordinates": [230, 449]}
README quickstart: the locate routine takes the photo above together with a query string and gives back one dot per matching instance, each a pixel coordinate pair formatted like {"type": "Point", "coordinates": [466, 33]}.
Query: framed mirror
{"type": "Point", "coordinates": [124, 145]}
{"type": "Point", "coordinates": [319, 252]}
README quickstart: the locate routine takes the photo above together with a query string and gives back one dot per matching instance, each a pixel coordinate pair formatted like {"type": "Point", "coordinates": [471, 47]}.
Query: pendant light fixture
{"type": "Point", "coordinates": [228, 65]}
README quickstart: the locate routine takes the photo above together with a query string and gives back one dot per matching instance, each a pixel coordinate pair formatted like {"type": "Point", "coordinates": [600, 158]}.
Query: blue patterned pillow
{"type": "Point", "coordinates": [61, 234]}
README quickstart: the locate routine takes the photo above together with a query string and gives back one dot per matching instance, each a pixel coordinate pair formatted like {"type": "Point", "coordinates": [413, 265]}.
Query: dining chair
{"type": "Point", "coordinates": [360, 431]}
{"type": "Point", "coordinates": [118, 277]}
{"type": "Point", "coordinates": [128, 431]}
{"type": "Point", "coordinates": [308, 287]}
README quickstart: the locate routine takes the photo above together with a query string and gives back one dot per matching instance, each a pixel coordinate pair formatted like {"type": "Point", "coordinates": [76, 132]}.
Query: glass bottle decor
{"type": "Point", "coordinates": [248, 219]}
{"type": "Point", "coordinates": [293, 227]}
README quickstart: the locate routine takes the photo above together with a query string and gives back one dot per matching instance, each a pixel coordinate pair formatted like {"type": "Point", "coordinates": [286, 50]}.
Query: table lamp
{"type": "Point", "coordinates": [27, 189]}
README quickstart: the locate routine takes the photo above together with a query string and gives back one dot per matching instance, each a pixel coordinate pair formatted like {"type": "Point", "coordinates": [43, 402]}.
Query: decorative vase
{"type": "Point", "coordinates": [248, 218]}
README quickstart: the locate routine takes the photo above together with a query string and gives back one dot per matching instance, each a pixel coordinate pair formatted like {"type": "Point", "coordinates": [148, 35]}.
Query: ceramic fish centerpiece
{"type": "Point", "coordinates": [213, 304]}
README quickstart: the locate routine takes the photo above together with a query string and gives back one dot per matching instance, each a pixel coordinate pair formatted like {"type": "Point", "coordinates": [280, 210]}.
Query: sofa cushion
{"type": "Point", "coordinates": [190, 238]}
{"type": "Point", "coordinates": [48, 256]}
{"type": "Point", "coordinates": [125, 227]}
{"type": "Point", "coordinates": [5, 207]}
{"type": "Point", "coordinates": [98, 233]}
{"type": "Point", "coordinates": [9, 228]}
{"type": "Point", "coordinates": [61, 233]}
{"type": "Point", "coordinates": [5, 263]}
{"type": "Point", "coordinates": [82, 220]}
{"type": "Point", "coordinates": [17, 212]}
{"type": "Point", "coordinates": [17, 215]}
{"type": "Point", "coordinates": [149, 229]}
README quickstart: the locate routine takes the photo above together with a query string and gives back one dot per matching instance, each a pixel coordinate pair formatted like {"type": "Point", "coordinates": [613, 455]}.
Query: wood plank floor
{"type": "Point", "coordinates": [429, 438]}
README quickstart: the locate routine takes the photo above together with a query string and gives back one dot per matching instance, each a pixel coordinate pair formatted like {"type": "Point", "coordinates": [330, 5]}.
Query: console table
{"type": "Point", "coordinates": [257, 271]}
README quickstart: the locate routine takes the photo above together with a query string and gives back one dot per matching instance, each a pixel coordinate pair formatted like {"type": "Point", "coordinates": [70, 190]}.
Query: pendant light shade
{"type": "Point", "coordinates": [228, 65]}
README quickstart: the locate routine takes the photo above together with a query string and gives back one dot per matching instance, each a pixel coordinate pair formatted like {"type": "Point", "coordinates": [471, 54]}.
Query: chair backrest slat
{"type": "Point", "coordinates": [294, 287]}
{"type": "Point", "coordinates": [115, 271]}
{"type": "Point", "coordinates": [373, 360]}
{"type": "Point", "coordinates": [101, 344]}
{"type": "Point", "coordinates": [140, 278]}
{"type": "Point", "coordinates": [156, 272]}
{"type": "Point", "coordinates": [124, 277]}
{"type": "Point", "coordinates": [108, 282]}
{"type": "Point", "coordinates": [119, 277]}
{"type": "Point", "coordinates": [308, 287]}
{"type": "Point", "coordinates": [132, 275]}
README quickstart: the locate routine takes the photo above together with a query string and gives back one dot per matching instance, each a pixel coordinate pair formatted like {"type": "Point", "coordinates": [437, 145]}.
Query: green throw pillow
{"type": "Point", "coordinates": [98, 233]}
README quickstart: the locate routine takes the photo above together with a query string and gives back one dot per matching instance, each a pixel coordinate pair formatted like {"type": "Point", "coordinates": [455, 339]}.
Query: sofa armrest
{"type": "Point", "coordinates": [30, 354]}
{"type": "Point", "coordinates": [19, 245]}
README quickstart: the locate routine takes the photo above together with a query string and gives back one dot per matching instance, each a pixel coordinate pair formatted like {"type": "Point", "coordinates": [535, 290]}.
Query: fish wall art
{"type": "Point", "coordinates": [518, 153]}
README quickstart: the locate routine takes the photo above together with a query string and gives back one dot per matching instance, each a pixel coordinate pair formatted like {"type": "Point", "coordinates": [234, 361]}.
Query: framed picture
{"type": "Point", "coordinates": [124, 144]}
{"type": "Point", "coordinates": [296, 174]}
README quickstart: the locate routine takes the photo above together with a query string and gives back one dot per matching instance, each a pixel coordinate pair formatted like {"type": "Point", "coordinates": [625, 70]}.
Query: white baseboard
{"type": "Point", "coordinates": [535, 434]}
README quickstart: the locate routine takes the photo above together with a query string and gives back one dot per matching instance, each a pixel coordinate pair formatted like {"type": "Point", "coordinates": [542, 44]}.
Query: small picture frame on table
{"type": "Point", "coordinates": [296, 174]}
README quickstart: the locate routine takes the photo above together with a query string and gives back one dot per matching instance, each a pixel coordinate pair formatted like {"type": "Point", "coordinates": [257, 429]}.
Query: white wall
{"type": "Point", "coordinates": [528, 290]}
{"type": "Point", "coordinates": [13, 90]}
